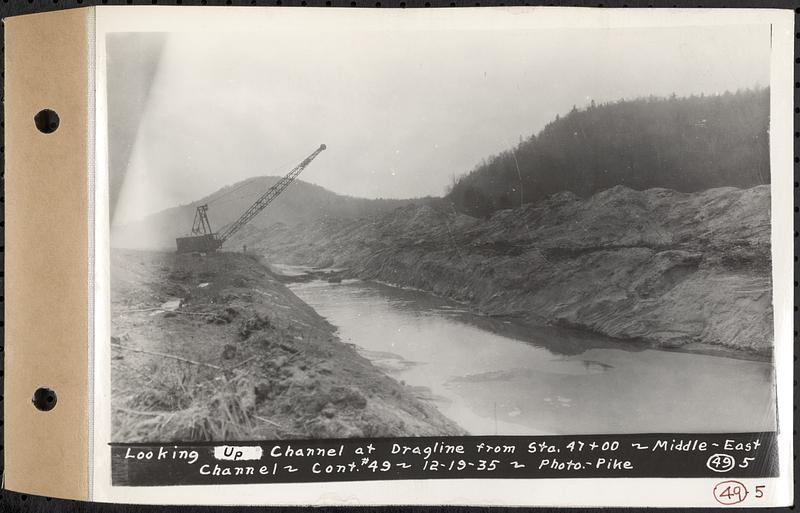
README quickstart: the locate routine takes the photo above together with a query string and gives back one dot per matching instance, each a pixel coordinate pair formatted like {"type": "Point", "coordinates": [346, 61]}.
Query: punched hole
{"type": "Point", "coordinates": [46, 121]}
{"type": "Point", "coordinates": [44, 399]}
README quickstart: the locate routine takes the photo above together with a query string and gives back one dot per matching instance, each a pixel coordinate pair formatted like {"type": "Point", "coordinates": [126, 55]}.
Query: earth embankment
{"type": "Point", "coordinates": [673, 269]}
{"type": "Point", "coordinates": [216, 348]}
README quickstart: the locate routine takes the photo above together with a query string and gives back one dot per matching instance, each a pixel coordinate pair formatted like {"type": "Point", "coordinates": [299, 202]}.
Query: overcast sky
{"type": "Point", "coordinates": [401, 112]}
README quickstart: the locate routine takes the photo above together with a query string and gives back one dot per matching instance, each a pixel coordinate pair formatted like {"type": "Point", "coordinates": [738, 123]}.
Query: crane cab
{"type": "Point", "coordinates": [198, 243]}
{"type": "Point", "coordinates": [203, 239]}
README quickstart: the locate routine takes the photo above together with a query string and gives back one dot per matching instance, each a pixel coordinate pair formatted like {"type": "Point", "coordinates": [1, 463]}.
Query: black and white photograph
{"type": "Point", "coordinates": [343, 232]}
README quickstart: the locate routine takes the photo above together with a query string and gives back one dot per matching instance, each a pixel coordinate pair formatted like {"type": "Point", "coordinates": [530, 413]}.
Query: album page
{"type": "Point", "coordinates": [486, 256]}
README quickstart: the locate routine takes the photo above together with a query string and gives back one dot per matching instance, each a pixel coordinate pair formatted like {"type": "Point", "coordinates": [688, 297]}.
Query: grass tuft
{"type": "Point", "coordinates": [185, 402]}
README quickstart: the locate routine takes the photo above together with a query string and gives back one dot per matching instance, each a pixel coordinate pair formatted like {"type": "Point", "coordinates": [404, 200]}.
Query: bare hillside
{"type": "Point", "coordinates": [675, 269]}
{"type": "Point", "coordinates": [301, 202]}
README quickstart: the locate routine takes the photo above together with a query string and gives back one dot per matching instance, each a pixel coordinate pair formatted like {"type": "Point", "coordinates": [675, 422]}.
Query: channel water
{"type": "Point", "coordinates": [497, 376]}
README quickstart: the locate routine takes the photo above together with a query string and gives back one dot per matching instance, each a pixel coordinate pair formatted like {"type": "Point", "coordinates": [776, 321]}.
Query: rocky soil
{"type": "Point", "coordinates": [678, 270]}
{"type": "Point", "coordinates": [216, 348]}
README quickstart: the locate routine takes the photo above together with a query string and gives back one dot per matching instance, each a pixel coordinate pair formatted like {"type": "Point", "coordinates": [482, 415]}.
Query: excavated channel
{"type": "Point", "coordinates": [494, 376]}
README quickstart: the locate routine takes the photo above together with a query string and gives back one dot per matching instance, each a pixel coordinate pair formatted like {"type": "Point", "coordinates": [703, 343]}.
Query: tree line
{"type": "Point", "coordinates": [687, 144]}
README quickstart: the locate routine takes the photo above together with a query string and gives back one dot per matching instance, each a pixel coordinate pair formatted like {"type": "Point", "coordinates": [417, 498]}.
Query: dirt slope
{"type": "Point", "coordinates": [674, 269]}
{"type": "Point", "coordinates": [215, 348]}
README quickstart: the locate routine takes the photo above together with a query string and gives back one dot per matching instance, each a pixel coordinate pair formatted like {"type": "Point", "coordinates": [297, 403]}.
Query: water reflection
{"type": "Point", "coordinates": [496, 376]}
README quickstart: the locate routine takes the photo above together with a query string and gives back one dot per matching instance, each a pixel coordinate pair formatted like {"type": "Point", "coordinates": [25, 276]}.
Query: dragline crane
{"type": "Point", "coordinates": [204, 240]}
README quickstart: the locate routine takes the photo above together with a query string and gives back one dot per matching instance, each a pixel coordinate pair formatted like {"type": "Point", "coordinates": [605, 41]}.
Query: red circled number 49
{"type": "Point", "coordinates": [733, 492]}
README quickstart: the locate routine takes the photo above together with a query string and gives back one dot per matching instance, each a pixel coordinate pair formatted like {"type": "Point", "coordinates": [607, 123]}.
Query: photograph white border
{"type": "Point", "coordinates": [675, 492]}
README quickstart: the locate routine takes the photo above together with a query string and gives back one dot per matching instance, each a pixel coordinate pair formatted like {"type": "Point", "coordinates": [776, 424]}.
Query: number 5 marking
{"type": "Point", "coordinates": [746, 462]}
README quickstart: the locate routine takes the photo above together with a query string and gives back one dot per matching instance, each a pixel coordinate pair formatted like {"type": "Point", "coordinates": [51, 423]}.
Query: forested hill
{"type": "Point", "coordinates": [687, 144]}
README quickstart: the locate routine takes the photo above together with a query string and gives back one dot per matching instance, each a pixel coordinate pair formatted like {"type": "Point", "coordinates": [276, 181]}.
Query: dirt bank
{"type": "Point", "coordinates": [215, 348]}
{"type": "Point", "coordinates": [673, 269]}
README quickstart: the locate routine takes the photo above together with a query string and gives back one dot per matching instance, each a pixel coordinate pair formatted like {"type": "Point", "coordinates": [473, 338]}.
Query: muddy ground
{"type": "Point", "coordinates": [216, 348]}
{"type": "Point", "coordinates": [681, 271]}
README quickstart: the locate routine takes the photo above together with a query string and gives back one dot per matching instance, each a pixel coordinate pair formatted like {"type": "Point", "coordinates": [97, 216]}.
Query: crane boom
{"type": "Point", "coordinates": [267, 198]}
{"type": "Point", "coordinates": [203, 240]}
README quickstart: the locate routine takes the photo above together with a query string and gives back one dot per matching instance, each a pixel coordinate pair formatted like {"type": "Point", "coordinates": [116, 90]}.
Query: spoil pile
{"type": "Point", "coordinates": [674, 269]}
